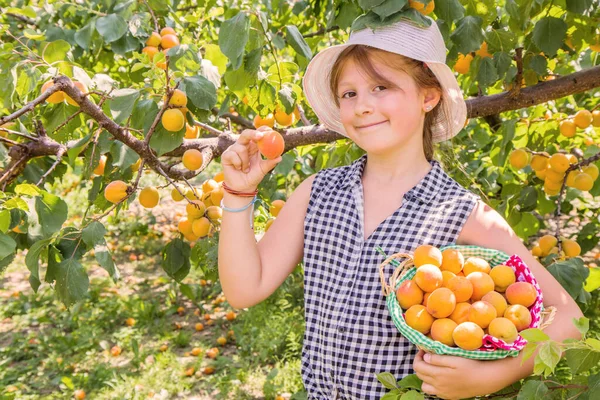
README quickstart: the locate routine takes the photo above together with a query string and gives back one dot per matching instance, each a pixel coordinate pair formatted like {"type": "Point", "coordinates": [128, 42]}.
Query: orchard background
{"type": "Point", "coordinates": [117, 300]}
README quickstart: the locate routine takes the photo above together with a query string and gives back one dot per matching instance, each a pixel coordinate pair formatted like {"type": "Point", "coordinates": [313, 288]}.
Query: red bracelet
{"type": "Point", "coordinates": [237, 192]}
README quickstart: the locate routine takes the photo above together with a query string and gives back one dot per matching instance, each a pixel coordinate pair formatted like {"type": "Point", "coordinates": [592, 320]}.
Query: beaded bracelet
{"type": "Point", "coordinates": [225, 208]}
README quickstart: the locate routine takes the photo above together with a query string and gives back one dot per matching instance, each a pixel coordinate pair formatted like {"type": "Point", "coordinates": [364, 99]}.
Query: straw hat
{"type": "Point", "coordinates": [405, 38]}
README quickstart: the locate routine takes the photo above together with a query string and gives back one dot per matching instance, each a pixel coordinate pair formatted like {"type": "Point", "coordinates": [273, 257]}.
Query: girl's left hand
{"type": "Point", "coordinates": [450, 377]}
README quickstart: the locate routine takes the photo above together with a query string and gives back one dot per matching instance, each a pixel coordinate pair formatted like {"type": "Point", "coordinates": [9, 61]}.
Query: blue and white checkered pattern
{"type": "Point", "coordinates": [350, 336]}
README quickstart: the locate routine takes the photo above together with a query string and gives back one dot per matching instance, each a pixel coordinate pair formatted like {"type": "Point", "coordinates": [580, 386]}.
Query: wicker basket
{"type": "Point", "coordinates": [492, 348]}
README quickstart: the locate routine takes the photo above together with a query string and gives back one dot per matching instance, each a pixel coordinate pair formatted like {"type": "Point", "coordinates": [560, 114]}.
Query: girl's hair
{"type": "Point", "coordinates": [422, 76]}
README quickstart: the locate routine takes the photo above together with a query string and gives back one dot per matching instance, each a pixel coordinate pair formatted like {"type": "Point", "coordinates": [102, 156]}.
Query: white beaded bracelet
{"type": "Point", "coordinates": [225, 208]}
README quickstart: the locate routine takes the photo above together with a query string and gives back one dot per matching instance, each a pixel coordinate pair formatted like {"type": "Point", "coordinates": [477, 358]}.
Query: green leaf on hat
{"type": "Point", "coordinates": [449, 10]}
{"type": "Point", "coordinates": [368, 4]}
{"type": "Point", "coordinates": [468, 35]}
{"type": "Point", "coordinates": [389, 7]}
{"type": "Point", "coordinates": [549, 34]}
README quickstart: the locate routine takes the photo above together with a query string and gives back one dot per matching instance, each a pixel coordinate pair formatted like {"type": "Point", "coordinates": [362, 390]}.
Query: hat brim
{"type": "Point", "coordinates": [318, 94]}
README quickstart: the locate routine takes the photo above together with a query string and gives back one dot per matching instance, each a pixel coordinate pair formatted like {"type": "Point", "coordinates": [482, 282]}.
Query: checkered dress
{"type": "Point", "coordinates": [349, 335]}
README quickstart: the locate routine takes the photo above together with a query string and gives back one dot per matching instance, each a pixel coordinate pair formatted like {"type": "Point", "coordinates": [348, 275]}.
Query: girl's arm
{"type": "Point", "coordinates": [455, 377]}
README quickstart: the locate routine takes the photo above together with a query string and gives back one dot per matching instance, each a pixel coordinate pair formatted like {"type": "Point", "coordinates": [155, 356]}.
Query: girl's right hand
{"type": "Point", "coordinates": [243, 166]}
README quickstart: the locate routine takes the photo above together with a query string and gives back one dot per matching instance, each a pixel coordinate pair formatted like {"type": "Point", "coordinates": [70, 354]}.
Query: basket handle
{"type": "Point", "coordinates": [547, 316]}
{"type": "Point", "coordinates": [398, 273]}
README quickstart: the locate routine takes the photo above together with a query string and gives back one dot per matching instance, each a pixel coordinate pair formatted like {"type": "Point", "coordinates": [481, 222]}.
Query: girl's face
{"type": "Point", "coordinates": [377, 117]}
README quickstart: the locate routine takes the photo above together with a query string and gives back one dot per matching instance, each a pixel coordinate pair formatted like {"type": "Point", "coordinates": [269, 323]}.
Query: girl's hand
{"type": "Point", "coordinates": [243, 166]}
{"type": "Point", "coordinates": [450, 377]}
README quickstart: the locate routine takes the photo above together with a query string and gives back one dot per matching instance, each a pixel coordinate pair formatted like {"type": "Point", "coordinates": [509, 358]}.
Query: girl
{"type": "Point", "coordinates": [391, 93]}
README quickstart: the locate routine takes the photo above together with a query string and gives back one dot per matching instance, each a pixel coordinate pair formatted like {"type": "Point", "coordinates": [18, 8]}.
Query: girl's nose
{"type": "Point", "coordinates": [363, 105]}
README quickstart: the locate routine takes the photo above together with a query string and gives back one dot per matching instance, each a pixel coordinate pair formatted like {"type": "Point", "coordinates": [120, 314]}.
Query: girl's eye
{"type": "Point", "coordinates": [380, 86]}
{"type": "Point", "coordinates": [347, 95]}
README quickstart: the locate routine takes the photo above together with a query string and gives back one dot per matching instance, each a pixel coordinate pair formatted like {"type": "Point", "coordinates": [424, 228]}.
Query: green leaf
{"type": "Point", "coordinates": [534, 335]}
{"type": "Point", "coordinates": [532, 390]}
{"type": "Point", "coordinates": [581, 360]}
{"type": "Point", "coordinates": [176, 259]}
{"type": "Point", "coordinates": [4, 220]}
{"type": "Point", "coordinates": [500, 40]}
{"type": "Point", "coordinates": [72, 281]}
{"type": "Point", "coordinates": [295, 39]}
{"type": "Point", "coordinates": [539, 64]}
{"type": "Point", "coordinates": [288, 98]}
{"type": "Point", "coordinates": [593, 343]}
{"type": "Point", "coordinates": [143, 114]}
{"type": "Point", "coordinates": [74, 151]}
{"type": "Point", "coordinates": [83, 37]}
{"type": "Point", "coordinates": [216, 56]}
{"type": "Point", "coordinates": [93, 234]}
{"type": "Point", "coordinates": [387, 379]}
{"type": "Point", "coordinates": [184, 58]}
{"type": "Point", "coordinates": [412, 394]}
{"type": "Point", "coordinates": [347, 12]}
{"type": "Point", "coordinates": [105, 260]}
{"type": "Point", "coordinates": [368, 4]}
{"type": "Point", "coordinates": [449, 10]}
{"type": "Point", "coordinates": [123, 156]}
{"type": "Point", "coordinates": [593, 281]}
{"type": "Point", "coordinates": [410, 382]}
{"type": "Point", "coordinates": [549, 353]}
{"type": "Point", "coordinates": [569, 274]}
{"type": "Point", "coordinates": [111, 27]}
{"type": "Point", "coordinates": [200, 91]}
{"type": "Point", "coordinates": [16, 203]}
{"type": "Point", "coordinates": [122, 103]}
{"type": "Point", "coordinates": [233, 36]}
{"type": "Point", "coordinates": [579, 6]}
{"type": "Point", "coordinates": [5, 262]}
{"type": "Point", "coordinates": [32, 260]}
{"type": "Point", "coordinates": [487, 74]}
{"type": "Point", "coordinates": [593, 390]}
{"type": "Point", "coordinates": [582, 324]}
{"type": "Point", "coordinates": [389, 7]}
{"type": "Point", "coordinates": [468, 35]}
{"type": "Point", "coordinates": [393, 395]}
{"type": "Point", "coordinates": [528, 351]}
{"type": "Point", "coordinates": [502, 61]}
{"type": "Point", "coordinates": [25, 11]}
{"type": "Point", "coordinates": [56, 51]}
{"type": "Point", "coordinates": [27, 190]}
{"type": "Point", "coordinates": [7, 246]}
{"type": "Point", "coordinates": [163, 141]}
{"type": "Point", "coordinates": [54, 260]}
{"type": "Point", "coordinates": [49, 215]}
{"type": "Point", "coordinates": [548, 34]}
{"type": "Point", "coordinates": [125, 44]}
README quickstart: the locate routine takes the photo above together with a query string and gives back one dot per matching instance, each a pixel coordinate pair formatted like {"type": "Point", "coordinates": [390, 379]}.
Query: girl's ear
{"type": "Point", "coordinates": [431, 97]}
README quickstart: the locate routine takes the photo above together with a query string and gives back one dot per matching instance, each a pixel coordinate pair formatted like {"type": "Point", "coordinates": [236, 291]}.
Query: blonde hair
{"type": "Point", "coordinates": [422, 76]}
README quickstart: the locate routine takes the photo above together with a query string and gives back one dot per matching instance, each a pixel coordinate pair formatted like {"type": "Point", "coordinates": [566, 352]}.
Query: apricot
{"type": "Point", "coordinates": [219, 177]}
{"type": "Point", "coordinates": [442, 329]}
{"type": "Point", "coordinates": [282, 118]}
{"type": "Point", "coordinates": [446, 276]}
{"type": "Point", "coordinates": [473, 264]}
{"type": "Point", "coordinates": [422, 8]}
{"type": "Point", "coordinates": [175, 195]}
{"type": "Point", "coordinates": [482, 284]}
{"type": "Point", "coordinates": [425, 298]}
{"type": "Point", "coordinates": [596, 118]}
{"type": "Point", "coordinates": [216, 195]}
{"type": "Point", "coordinates": [195, 209]}
{"type": "Point", "coordinates": [482, 313]}
{"type": "Point", "coordinates": [539, 162]}
{"type": "Point", "coordinates": [429, 277]}
{"type": "Point", "coordinates": [522, 293]}
{"type": "Point", "coordinates": [167, 30]}
{"type": "Point", "coordinates": [99, 170]}
{"type": "Point", "coordinates": [460, 313]}
{"type": "Point", "coordinates": [418, 318]}
{"type": "Point", "coordinates": [468, 336]}
{"type": "Point", "coordinates": [559, 162]}
{"type": "Point", "coordinates": [519, 315]}
{"type": "Point", "coordinates": [583, 182]}
{"type": "Point", "coordinates": [168, 41]}
{"type": "Point", "coordinates": [209, 185]}
{"type": "Point", "coordinates": [154, 39]}
{"type": "Point", "coordinates": [271, 144]}
{"type": "Point", "coordinates": [191, 132]}
{"type": "Point", "coordinates": [173, 120]}
{"type": "Point", "coordinates": [571, 248]}
{"type": "Point", "coordinates": [79, 394]}
{"type": "Point", "coordinates": [503, 276]}
{"type": "Point", "coordinates": [483, 51]}
{"type": "Point", "coordinates": [497, 300]}
{"type": "Point", "coordinates": [441, 303]}
{"type": "Point", "coordinates": [269, 121]}
{"type": "Point", "coordinates": [149, 197]}
{"type": "Point", "coordinates": [178, 99]}
{"type": "Point", "coordinates": [56, 97]}
{"type": "Point", "coordinates": [452, 260]}
{"type": "Point", "coordinates": [409, 294]}
{"type": "Point", "coordinates": [583, 119]}
{"type": "Point", "coordinates": [461, 287]}
{"type": "Point", "coordinates": [115, 191]}
{"type": "Point", "coordinates": [567, 128]}
{"type": "Point", "coordinates": [192, 159]}
{"type": "Point", "coordinates": [185, 226]}
{"type": "Point", "coordinates": [503, 329]}
{"type": "Point", "coordinates": [276, 206]}
{"type": "Point", "coordinates": [214, 213]}
{"type": "Point", "coordinates": [592, 170]}
{"type": "Point", "coordinates": [547, 243]}
{"type": "Point", "coordinates": [463, 64]}
{"type": "Point", "coordinates": [151, 51]}
{"type": "Point", "coordinates": [427, 254]}
{"type": "Point", "coordinates": [518, 159]}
